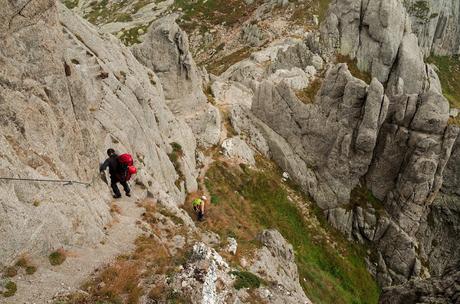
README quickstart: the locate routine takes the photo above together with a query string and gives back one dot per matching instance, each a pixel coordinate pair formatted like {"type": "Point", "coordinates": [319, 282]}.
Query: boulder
{"type": "Point", "coordinates": [275, 262]}
{"type": "Point", "coordinates": [237, 148]}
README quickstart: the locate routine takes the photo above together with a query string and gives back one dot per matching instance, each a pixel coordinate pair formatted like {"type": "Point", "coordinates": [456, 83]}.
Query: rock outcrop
{"type": "Point", "coordinates": [275, 262]}
{"type": "Point", "coordinates": [335, 136]}
{"type": "Point", "coordinates": [445, 290]}
{"type": "Point", "coordinates": [378, 35]}
{"type": "Point", "coordinates": [165, 50]}
{"type": "Point", "coordinates": [436, 24]}
{"type": "Point", "coordinates": [207, 278]}
{"type": "Point", "coordinates": [67, 94]}
{"type": "Point", "coordinates": [391, 136]}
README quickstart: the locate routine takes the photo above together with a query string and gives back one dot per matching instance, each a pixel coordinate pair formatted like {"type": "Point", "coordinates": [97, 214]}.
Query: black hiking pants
{"type": "Point", "coordinates": [113, 183]}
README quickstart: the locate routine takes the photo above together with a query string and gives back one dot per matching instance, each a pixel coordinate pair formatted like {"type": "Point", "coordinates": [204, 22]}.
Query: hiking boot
{"type": "Point", "coordinates": [128, 194]}
{"type": "Point", "coordinates": [117, 196]}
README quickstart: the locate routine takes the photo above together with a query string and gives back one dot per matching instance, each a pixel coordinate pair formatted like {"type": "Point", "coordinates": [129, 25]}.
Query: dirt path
{"type": "Point", "coordinates": [49, 280]}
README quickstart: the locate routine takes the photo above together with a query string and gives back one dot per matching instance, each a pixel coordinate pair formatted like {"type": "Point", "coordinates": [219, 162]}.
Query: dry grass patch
{"type": "Point", "coordinates": [220, 65]}
{"type": "Point", "coordinates": [354, 70]}
{"type": "Point", "coordinates": [308, 94]}
{"type": "Point", "coordinates": [115, 209]}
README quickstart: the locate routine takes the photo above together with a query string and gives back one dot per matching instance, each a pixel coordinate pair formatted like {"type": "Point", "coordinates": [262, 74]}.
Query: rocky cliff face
{"type": "Point", "coordinates": [435, 290]}
{"type": "Point", "coordinates": [181, 79]}
{"type": "Point", "coordinates": [436, 24]}
{"type": "Point", "coordinates": [67, 93]}
{"type": "Point", "coordinates": [390, 135]}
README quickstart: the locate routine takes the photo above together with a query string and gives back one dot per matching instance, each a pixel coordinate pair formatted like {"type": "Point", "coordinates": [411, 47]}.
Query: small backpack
{"type": "Point", "coordinates": [127, 165]}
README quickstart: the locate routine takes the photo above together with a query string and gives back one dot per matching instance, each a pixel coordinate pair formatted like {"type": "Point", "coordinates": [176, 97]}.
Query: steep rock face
{"type": "Point", "coordinates": [378, 34]}
{"type": "Point", "coordinates": [413, 146]}
{"type": "Point", "coordinates": [445, 290]}
{"type": "Point", "coordinates": [436, 24]}
{"type": "Point", "coordinates": [165, 50]}
{"type": "Point", "coordinates": [438, 233]}
{"type": "Point", "coordinates": [413, 149]}
{"type": "Point", "coordinates": [275, 262]}
{"type": "Point", "coordinates": [335, 136]}
{"type": "Point", "coordinates": [67, 93]}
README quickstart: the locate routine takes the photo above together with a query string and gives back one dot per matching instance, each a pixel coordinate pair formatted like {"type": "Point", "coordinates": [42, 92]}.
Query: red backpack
{"type": "Point", "coordinates": [127, 164]}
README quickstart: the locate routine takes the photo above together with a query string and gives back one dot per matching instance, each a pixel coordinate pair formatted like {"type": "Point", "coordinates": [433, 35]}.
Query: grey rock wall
{"type": "Point", "coordinates": [67, 93]}
{"type": "Point", "coordinates": [165, 50]}
{"type": "Point", "coordinates": [436, 24]}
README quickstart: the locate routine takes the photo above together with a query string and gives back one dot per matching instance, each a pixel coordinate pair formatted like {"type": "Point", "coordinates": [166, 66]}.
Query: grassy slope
{"type": "Point", "coordinates": [449, 74]}
{"type": "Point", "coordinates": [249, 201]}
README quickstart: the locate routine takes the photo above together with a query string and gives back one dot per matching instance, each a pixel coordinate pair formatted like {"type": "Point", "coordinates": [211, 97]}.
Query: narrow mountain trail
{"type": "Point", "coordinates": [50, 280]}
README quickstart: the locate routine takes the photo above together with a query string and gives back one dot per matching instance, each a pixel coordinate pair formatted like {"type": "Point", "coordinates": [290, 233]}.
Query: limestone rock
{"type": "Point", "coordinates": [275, 262]}
{"type": "Point", "coordinates": [436, 24]}
{"type": "Point", "coordinates": [413, 148]}
{"type": "Point", "coordinates": [238, 149]}
{"type": "Point", "coordinates": [165, 50]}
{"type": "Point", "coordinates": [440, 225]}
{"type": "Point", "coordinates": [340, 149]}
{"type": "Point", "coordinates": [67, 94]}
{"type": "Point", "coordinates": [380, 38]}
{"type": "Point", "coordinates": [232, 245]}
{"type": "Point", "coordinates": [443, 290]}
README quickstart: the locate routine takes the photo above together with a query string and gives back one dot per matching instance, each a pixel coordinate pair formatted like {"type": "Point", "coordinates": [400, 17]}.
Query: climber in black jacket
{"type": "Point", "coordinates": [117, 173]}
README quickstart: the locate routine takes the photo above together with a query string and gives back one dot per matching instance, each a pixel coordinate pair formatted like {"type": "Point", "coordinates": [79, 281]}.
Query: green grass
{"type": "Point", "coordinates": [132, 36]}
{"type": "Point", "coordinates": [213, 12]}
{"type": "Point", "coordinates": [57, 257]}
{"type": "Point", "coordinates": [70, 3]}
{"type": "Point", "coordinates": [255, 200]}
{"type": "Point", "coordinates": [10, 289]}
{"type": "Point", "coordinates": [449, 75]}
{"type": "Point", "coordinates": [107, 11]}
{"type": "Point", "coordinates": [245, 279]}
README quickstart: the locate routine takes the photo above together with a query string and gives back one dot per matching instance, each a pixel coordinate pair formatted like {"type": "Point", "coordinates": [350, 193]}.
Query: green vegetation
{"type": "Point", "coordinates": [107, 11]}
{"type": "Point", "coordinates": [71, 3]}
{"type": "Point", "coordinates": [254, 200]}
{"type": "Point", "coordinates": [174, 157]}
{"type": "Point", "coordinates": [449, 75]}
{"type": "Point", "coordinates": [57, 257]}
{"type": "Point", "coordinates": [131, 36]}
{"type": "Point", "coordinates": [220, 65]}
{"type": "Point", "coordinates": [323, 7]}
{"type": "Point", "coordinates": [245, 279]}
{"type": "Point", "coordinates": [363, 197]}
{"type": "Point", "coordinates": [208, 13]}
{"type": "Point", "coordinates": [214, 200]}
{"type": "Point", "coordinates": [10, 289]}
{"type": "Point", "coordinates": [31, 269]}
{"type": "Point", "coordinates": [420, 9]}
{"type": "Point", "coordinates": [24, 263]}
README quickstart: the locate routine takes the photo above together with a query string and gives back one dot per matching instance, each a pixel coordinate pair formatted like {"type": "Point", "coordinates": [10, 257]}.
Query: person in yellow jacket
{"type": "Point", "coordinates": [198, 205]}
